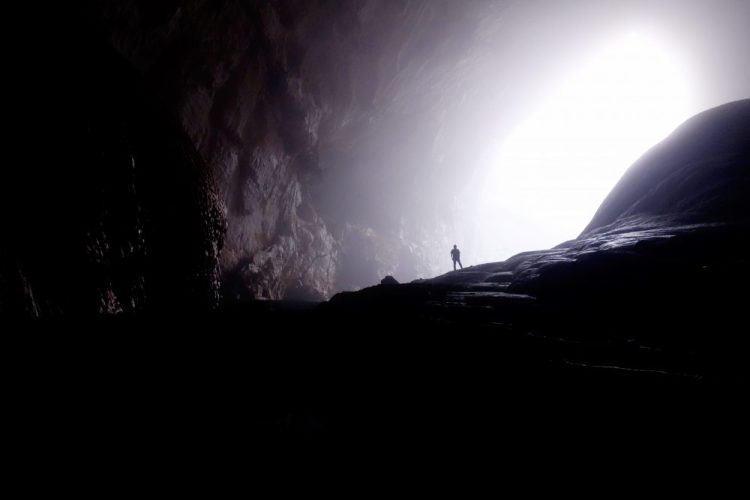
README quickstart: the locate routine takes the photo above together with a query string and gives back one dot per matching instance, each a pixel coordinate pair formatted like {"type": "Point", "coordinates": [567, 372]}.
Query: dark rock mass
{"type": "Point", "coordinates": [699, 174]}
{"type": "Point", "coordinates": [178, 159]}
{"type": "Point", "coordinates": [112, 210]}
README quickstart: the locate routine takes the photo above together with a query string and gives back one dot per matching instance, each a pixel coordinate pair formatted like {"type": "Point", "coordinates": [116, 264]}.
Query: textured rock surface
{"type": "Point", "coordinates": [272, 94]}
{"type": "Point", "coordinates": [330, 133]}
{"type": "Point", "coordinates": [633, 332]}
{"type": "Point", "coordinates": [115, 211]}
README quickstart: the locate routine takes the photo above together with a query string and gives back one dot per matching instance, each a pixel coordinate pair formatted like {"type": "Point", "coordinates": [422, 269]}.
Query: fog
{"type": "Point", "coordinates": [615, 80]}
{"type": "Point", "coordinates": [511, 132]}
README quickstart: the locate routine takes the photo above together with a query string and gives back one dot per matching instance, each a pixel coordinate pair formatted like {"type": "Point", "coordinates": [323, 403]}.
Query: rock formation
{"type": "Point", "coordinates": [317, 122]}
{"type": "Point", "coordinates": [115, 211]}
{"type": "Point", "coordinates": [662, 265]}
{"type": "Point", "coordinates": [252, 149]}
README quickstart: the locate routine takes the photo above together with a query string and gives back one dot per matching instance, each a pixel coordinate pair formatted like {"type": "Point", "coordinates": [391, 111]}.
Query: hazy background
{"type": "Point", "coordinates": [594, 85]}
{"type": "Point", "coordinates": [509, 135]}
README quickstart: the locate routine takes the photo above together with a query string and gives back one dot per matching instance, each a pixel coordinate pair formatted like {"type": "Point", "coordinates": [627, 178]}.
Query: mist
{"type": "Point", "coordinates": [517, 119]}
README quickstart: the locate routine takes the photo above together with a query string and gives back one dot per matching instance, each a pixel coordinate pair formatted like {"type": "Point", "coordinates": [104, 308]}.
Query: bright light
{"type": "Point", "coordinates": [552, 173]}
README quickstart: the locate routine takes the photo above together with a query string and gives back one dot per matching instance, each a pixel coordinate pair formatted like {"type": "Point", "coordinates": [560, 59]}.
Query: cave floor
{"type": "Point", "coordinates": [419, 361]}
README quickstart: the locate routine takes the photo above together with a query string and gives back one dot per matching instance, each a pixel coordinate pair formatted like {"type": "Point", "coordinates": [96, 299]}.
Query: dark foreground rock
{"type": "Point", "coordinates": [111, 209]}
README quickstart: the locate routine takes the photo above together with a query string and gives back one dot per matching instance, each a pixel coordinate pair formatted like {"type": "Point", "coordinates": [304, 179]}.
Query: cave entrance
{"type": "Point", "coordinates": [543, 183]}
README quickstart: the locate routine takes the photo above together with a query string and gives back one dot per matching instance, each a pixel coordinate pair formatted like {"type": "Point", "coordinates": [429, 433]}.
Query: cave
{"type": "Point", "coordinates": [235, 217]}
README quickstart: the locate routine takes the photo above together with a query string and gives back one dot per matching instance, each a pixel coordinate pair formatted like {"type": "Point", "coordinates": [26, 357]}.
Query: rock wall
{"type": "Point", "coordinates": [113, 210]}
{"type": "Point", "coordinates": [318, 120]}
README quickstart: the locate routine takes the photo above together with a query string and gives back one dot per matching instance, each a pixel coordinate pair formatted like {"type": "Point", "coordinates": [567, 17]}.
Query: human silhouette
{"type": "Point", "coordinates": [456, 256]}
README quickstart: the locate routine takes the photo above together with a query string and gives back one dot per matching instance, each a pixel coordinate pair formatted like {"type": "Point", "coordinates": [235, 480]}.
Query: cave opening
{"type": "Point", "coordinates": [234, 219]}
{"type": "Point", "coordinates": [543, 181]}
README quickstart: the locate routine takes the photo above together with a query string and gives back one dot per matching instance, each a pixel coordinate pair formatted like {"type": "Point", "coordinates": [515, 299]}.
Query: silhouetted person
{"type": "Point", "coordinates": [456, 256]}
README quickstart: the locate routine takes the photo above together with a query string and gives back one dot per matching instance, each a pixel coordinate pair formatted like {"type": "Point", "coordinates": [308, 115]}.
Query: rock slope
{"type": "Point", "coordinates": [662, 266]}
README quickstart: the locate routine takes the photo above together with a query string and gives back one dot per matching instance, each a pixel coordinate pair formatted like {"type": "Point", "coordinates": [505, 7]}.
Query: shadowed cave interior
{"type": "Point", "coordinates": [208, 155]}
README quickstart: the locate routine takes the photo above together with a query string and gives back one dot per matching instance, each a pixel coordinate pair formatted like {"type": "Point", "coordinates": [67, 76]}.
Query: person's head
{"type": "Point", "coordinates": [454, 246]}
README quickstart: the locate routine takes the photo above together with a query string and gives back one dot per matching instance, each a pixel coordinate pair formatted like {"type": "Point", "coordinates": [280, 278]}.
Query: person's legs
{"type": "Point", "coordinates": [454, 264]}
{"type": "Point", "coordinates": [459, 264]}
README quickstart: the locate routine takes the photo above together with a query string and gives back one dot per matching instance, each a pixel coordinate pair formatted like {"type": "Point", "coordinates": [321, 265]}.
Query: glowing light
{"type": "Point", "coordinates": [554, 170]}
